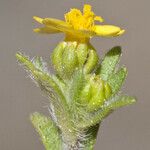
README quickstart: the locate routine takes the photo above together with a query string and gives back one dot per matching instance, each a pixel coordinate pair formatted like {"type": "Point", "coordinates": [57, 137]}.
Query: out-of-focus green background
{"type": "Point", "coordinates": [127, 128]}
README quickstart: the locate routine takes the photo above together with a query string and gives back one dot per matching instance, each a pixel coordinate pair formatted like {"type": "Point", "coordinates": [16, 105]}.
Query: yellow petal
{"type": "Point", "coordinates": [99, 18]}
{"type": "Point", "coordinates": [121, 32]}
{"type": "Point", "coordinates": [80, 33]}
{"type": "Point", "coordinates": [107, 30]}
{"type": "Point", "coordinates": [55, 25]}
{"type": "Point", "coordinates": [65, 27]}
{"type": "Point", "coordinates": [48, 30]}
{"type": "Point", "coordinates": [55, 22]}
{"type": "Point", "coordinates": [58, 24]}
{"type": "Point", "coordinates": [87, 8]}
{"type": "Point", "coordinates": [38, 19]}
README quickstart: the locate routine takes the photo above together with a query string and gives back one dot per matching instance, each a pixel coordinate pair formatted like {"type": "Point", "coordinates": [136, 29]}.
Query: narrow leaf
{"type": "Point", "coordinates": [108, 108]}
{"type": "Point", "coordinates": [76, 85]}
{"type": "Point", "coordinates": [116, 80]}
{"type": "Point", "coordinates": [25, 60]}
{"type": "Point", "coordinates": [91, 137]}
{"type": "Point", "coordinates": [38, 70]}
{"type": "Point", "coordinates": [48, 131]}
{"type": "Point", "coordinates": [39, 64]}
{"type": "Point", "coordinates": [121, 101]}
{"type": "Point", "coordinates": [48, 85]}
{"type": "Point", "coordinates": [109, 62]}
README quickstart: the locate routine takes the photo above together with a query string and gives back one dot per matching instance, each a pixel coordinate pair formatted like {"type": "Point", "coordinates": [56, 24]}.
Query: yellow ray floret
{"type": "Point", "coordinates": [78, 24]}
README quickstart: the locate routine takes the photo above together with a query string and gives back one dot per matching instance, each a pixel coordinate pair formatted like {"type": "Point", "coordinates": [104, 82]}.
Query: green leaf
{"type": "Point", "coordinates": [53, 90]}
{"type": "Point", "coordinates": [121, 101]}
{"type": "Point", "coordinates": [25, 60]}
{"type": "Point", "coordinates": [91, 137]}
{"type": "Point", "coordinates": [116, 80]}
{"type": "Point", "coordinates": [39, 73]}
{"type": "Point", "coordinates": [39, 64]}
{"type": "Point", "coordinates": [76, 85]}
{"type": "Point", "coordinates": [109, 62]}
{"type": "Point", "coordinates": [109, 107]}
{"type": "Point", "coordinates": [48, 131]}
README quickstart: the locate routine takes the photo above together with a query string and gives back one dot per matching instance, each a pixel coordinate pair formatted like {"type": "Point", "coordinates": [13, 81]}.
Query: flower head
{"type": "Point", "coordinates": [82, 21]}
{"type": "Point", "coordinates": [78, 24]}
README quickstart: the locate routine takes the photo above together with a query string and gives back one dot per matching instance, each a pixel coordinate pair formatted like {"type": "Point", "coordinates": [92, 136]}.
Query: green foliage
{"type": "Point", "coordinates": [49, 133]}
{"type": "Point", "coordinates": [41, 76]}
{"type": "Point", "coordinates": [91, 137]}
{"type": "Point", "coordinates": [107, 67]}
{"type": "Point", "coordinates": [116, 80]}
{"type": "Point", "coordinates": [76, 85]}
{"type": "Point", "coordinates": [108, 107]}
{"type": "Point", "coordinates": [80, 96]}
{"type": "Point", "coordinates": [48, 85]}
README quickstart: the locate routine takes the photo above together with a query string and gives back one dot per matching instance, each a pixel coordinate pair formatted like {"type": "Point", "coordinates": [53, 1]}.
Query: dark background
{"type": "Point", "coordinates": [125, 129]}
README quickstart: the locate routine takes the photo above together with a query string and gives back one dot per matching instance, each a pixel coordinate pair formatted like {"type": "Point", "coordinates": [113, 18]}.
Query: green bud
{"type": "Point", "coordinates": [98, 94]}
{"type": "Point", "coordinates": [93, 94]}
{"type": "Point", "coordinates": [92, 61]}
{"type": "Point", "coordinates": [108, 91]}
{"type": "Point", "coordinates": [85, 94]}
{"type": "Point", "coordinates": [82, 53]}
{"type": "Point", "coordinates": [68, 56]}
{"type": "Point", "coordinates": [69, 59]}
{"type": "Point", "coordinates": [97, 101]}
{"type": "Point", "coordinates": [56, 57]}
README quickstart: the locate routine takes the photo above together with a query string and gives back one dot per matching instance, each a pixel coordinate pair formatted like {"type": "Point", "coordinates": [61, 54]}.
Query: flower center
{"type": "Point", "coordinates": [82, 21]}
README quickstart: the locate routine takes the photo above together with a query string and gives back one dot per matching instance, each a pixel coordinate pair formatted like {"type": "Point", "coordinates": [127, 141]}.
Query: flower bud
{"type": "Point", "coordinates": [82, 53]}
{"type": "Point", "coordinates": [95, 93]}
{"type": "Point", "coordinates": [92, 61]}
{"type": "Point", "coordinates": [108, 91]}
{"type": "Point", "coordinates": [69, 56]}
{"type": "Point", "coordinates": [85, 95]}
{"type": "Point", "coordinates": [98, 93]}
{"type": "Point", "coordinates": [57, 57]}
{"type": "Point", "coordinates": [69, 59]}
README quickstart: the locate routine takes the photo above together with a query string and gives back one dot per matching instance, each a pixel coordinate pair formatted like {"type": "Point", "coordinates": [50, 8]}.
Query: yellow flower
{"type": "Point", "coordinates": [78, 25]}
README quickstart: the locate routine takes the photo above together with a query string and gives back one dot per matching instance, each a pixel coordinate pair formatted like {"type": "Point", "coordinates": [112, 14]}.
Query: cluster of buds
{"type": "Point", "coordinates": [69, 56]}
{"type": "Point", "coordinates": [95, 93]}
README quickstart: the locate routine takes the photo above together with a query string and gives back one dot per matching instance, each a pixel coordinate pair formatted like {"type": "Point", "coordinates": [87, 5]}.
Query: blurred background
{"type": "Point", "coordinates": [127, 128]}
